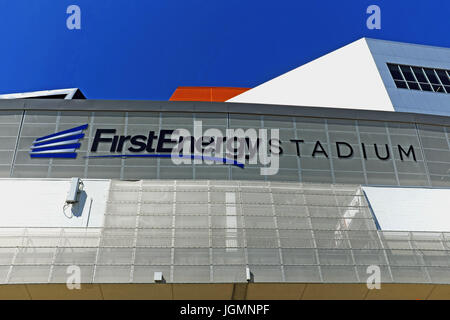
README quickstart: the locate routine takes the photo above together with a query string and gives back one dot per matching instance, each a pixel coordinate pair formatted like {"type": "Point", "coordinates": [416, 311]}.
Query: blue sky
{"type": "Point", "coordinates": [130, 49]}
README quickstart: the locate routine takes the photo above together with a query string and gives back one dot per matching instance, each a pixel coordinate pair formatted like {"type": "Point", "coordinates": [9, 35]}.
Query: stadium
{"type": "Point", "coordinates": [354, 174]}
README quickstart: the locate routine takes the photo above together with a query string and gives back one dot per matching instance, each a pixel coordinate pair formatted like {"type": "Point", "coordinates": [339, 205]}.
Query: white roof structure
{"type": "Point", "coordinates": [68, 94]}
{"type": "Point", "coordinates": [357, 76]}
{"type": "Point", "coordinates": [345, 78]}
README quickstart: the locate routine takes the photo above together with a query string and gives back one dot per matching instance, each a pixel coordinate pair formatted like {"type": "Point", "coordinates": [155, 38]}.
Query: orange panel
{"type": "Point", "coordinates": [216, 94]}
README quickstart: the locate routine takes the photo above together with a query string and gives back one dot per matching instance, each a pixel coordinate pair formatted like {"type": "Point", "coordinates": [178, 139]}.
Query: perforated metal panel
{"type": "Point", "coordinates": [429, 167]}
{"type": "Point", "coordinates": [329, 237]}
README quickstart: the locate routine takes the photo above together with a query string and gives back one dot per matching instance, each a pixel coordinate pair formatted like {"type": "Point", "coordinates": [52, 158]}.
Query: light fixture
{"type": "Point", "coordinates": [72, 196]}
{"type": "Point", "coordinates": [158, 277]}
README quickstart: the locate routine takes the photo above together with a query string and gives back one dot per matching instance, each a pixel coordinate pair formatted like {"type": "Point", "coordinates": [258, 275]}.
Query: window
{"type": "Point", "coordinates": [420, 78]}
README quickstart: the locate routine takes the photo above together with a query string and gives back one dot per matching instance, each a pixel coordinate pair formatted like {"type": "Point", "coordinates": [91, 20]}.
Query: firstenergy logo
{"type": "Point", "coordinates": [235, 147]}
{"type": "Point", "coordinates": [58, 145]}
{"type": "Point", "coordinates": [261, 148]}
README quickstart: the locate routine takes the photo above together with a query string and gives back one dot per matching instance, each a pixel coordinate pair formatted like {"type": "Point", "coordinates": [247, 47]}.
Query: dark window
{"type": "Point", "coordinates": [431, 76]}
{"type": "Point", "coordinates": [407, 73]}
{"type": "Point", "coordinates": [425, 87]}
{"type": "Point", "coordinates": [443, 77]}
{"type": "Point", "coordinates": [420, 78]}
{"type": "Point", "coordinates": [413, 85]}
{"type": "Point", "coordinates": [401, 84]}
{"type": "Point", "coordinates": [419, 74]}
{"type": "Point", "coordinates": [438, 88]}
{"type": "Point", "coordinates": [395, 72]}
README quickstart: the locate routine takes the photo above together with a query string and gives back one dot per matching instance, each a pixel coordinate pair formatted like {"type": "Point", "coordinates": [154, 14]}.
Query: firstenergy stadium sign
{"type": "Point", "coordinates": [235, 147]}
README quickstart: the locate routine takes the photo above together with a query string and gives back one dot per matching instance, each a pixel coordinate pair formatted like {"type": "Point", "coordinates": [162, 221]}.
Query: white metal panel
{"type": "Point", "coordinates": [39, 94]}
{"type": "Point", "coordinates": [410, 209]}
{"type": "Point", "coordinates": [42, 203]}
{"type": "Point", "coordinates": [345, 78]}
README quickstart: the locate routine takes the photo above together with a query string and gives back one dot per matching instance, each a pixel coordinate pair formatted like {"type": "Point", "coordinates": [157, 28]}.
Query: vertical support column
{"type": "Point", "coordinates": [379, 232]}
{"type": "Point", "coordinates": [16, 148]}
{"type": "Point", "coordinates": [100, 242]}
{"type": "Point", "coordinates": [316, 248]}
{"type": "Point", "coordinates": [423, 266]}
{"type": "Point", "coordinates": [230, 172]}
{"type": "Point", "coordinates": [425, 164]}
{"type": "Point", "coordinates": [363, 161]}
{"type": "Point", "coordinates": [138, 216]}
{"type": "Point", "coordinates": [88, 151]}
{"type": "Point", "coordinates": [50, 163]}
{"type": "Point", "coordinates": [13, 261]}
{"type": "Point", "coordinates": [330, 153]}
{"type": "Point", "coordinates": [268, 138]}
{"type": "Point", "coordinates": [346, 231]}
{"type": "Point", "coordinates": [391, 149]}
{"type": "Point", "coordinates": [52, 265]}
{"type": "Point", "coordinates": [122, 161]}
{"type": "Point", "coordinates": [193, 160]}
{"type": "Point", "coordinates": [299, 164]}
{"type": "Point", "coordinates": [210, 242]}
{"type": "Point", "coordinates": [244, 232]}
{"type": "Point", "coordinates": [172, 247]}
{"type": "Point", "coordinates": [277, 231]}
{"type": "Point", "coordinates": [231, 222]}
{"type": "Point", "coordinates": [158, 160]}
